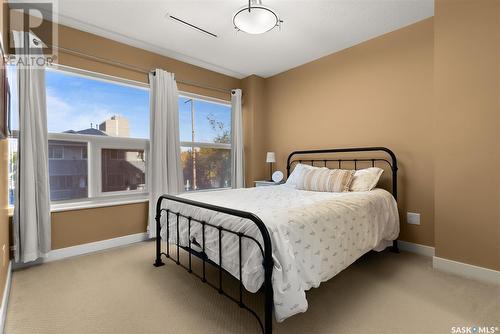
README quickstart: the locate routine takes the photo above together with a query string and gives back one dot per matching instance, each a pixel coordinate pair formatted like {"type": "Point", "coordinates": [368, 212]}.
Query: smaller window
{"type": "Point", "coordinates": [123, 170]}
{"type": "Point", "coordinates": [84, 114]}
{"type": "Point", "coordinates": [67, 170]}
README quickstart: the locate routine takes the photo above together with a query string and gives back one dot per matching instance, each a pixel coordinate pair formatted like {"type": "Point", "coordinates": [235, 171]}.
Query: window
{"type": "Point", "coordinates": [205, 130]}
{"type": "Point", "coordinates": [68, 172]}
{"type": "Point", "coordinates": [98, 136]}
{"type": "Point", "coordinates": [123, 170]}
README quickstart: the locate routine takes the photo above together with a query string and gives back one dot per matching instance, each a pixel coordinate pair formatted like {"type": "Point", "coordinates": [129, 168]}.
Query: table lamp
{"type": "Point", "coordinates": [270, 158]}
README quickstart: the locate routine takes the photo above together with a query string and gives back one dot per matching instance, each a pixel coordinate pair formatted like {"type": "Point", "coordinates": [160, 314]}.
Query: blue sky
{"type": "Point", "coordinates": [74, 102]}
{"type": "Point", "coordinates": [203, 110]}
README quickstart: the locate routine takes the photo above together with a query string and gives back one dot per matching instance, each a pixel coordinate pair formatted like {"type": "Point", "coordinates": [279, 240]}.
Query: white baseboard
{"type": "Point", "coordinates": [416, 248]}
{"type": "Point", "coordinates": [5, 298]}
{"type": "Point", "coordinates": [91, 247]}
{"type": "Point", "coordinates": [62, 253]}
{"type": "Point", "coordinates": [466, 270]}
{"type": "Point", "coordinates": [450, 266]}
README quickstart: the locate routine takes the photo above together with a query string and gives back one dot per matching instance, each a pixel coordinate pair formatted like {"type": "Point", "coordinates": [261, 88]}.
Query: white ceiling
{"type": "Point", "coordinates": [311, 29]}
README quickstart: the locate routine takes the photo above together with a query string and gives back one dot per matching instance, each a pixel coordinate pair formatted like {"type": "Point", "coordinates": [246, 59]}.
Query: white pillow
{"type": "Point", "coordinates": [296, 176]}
{"type": "Point", "coordinates": [366, 179]}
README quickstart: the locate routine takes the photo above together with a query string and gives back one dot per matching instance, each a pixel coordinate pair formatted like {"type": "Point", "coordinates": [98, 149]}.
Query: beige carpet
{"type": "Point", "coordinates": [119, 291]}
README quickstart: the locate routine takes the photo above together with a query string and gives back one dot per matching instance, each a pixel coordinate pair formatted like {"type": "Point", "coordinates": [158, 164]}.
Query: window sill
{"type": "Point", "coordinates": [96, 203]}
{"type": "Point", "coordinates": [102, 202]}
{"type": "Point", "coordinates": [90, 204]}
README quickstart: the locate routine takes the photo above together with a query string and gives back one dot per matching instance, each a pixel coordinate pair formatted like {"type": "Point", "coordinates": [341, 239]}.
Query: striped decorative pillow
{"type": "Point", "coordinates": [326, 180]}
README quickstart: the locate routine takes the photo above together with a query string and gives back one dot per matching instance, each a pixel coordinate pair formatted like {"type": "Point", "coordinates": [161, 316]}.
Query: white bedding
{"type": "Point", "coordinates": [315, 235]}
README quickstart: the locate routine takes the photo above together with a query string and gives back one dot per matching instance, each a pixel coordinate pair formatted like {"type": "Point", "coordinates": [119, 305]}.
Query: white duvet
{"type": "Point", "coordinates": [315, 235]}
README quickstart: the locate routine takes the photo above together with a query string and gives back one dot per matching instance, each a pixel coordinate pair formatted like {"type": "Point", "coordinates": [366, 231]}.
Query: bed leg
{"type": "Point", "coordinates": [395, 248]}
{"type": "Point", "coordinates": [268, 294]}
{"type": "Point", "coordinates": [268, 312]}
{"type": "Point", "coordinates": [158, 261]}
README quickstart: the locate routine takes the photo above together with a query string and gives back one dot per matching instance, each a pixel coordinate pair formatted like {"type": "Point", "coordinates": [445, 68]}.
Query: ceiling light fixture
{"type": "Point", "coordinates": [256, 19]}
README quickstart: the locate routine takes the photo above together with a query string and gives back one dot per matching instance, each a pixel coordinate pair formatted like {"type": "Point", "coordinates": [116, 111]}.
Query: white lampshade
{"type": "Point", "coordinates": [271, 157]}
{"type": "Point", "coordinates": [256, 20]}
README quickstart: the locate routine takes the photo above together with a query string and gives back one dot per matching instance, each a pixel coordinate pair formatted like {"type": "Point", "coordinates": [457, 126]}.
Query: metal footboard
{"type": "Point", "coordinates": [265, 249]}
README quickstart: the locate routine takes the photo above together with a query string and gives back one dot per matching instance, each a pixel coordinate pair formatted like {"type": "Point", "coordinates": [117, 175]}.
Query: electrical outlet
{"type": "Point", "coordinates": [413, 218]}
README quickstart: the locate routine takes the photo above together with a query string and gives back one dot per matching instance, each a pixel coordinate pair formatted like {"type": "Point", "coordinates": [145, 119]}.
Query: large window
{"type": "Point", "coordinates": [98, 137]}
{"type": "Point", "coordinates": [205, 129]}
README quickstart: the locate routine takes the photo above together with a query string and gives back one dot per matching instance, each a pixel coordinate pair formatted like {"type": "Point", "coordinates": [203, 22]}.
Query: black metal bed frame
{"type": "Point", "coordinates": [266, 247]}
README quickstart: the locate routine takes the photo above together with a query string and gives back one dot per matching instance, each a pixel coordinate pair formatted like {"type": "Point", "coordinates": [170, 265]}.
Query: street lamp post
{"type": "Point", "coordinates": [193, 151]}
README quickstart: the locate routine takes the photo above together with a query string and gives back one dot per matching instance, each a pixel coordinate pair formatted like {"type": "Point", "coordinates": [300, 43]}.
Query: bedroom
{"type": "Point", "coordinates": [135, 100]}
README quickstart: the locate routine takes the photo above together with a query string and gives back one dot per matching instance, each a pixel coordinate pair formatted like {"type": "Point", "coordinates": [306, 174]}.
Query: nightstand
{"type": "Point", "coordinates": [266, 183]}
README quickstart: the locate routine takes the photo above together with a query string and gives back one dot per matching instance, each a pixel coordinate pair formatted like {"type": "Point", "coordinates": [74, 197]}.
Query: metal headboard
{"type": "Point", "coordinates": [393, 163]}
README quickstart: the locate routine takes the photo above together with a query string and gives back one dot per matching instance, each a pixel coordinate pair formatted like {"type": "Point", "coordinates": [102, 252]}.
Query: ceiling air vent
{"type": "Point", "coordinates": [190, 25]}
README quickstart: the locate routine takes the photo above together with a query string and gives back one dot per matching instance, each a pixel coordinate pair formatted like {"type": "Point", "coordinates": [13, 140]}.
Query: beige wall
{"type": "Point", "coordinates": [70, 228]}
{"type": "Point", "coordinates": [467, 137]}
{"type": "Point", "coordinates": [430, 92]}
{"type": "Point", "coordinates": [379, 93]}
{"type": "Point", "coordinates": [254, 118]}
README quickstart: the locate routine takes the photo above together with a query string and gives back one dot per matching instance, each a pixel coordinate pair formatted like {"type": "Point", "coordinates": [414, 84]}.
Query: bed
{"type": "Point", "coordinates": [281, 239]}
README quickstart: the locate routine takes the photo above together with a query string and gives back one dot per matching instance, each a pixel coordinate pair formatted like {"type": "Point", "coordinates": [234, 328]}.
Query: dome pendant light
{"type": "Point", "coordinates": [255, 18]}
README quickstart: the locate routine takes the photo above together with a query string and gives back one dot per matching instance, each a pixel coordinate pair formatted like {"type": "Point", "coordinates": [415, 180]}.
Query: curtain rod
{"type": "Point", "coordinates": [135, 68]}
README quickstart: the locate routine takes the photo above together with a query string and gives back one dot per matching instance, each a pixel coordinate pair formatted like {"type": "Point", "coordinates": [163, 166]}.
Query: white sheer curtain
{"type": "Point", "coordinates": [32, 230]}
{"type": "Point", "coordinates": [164, 166]}
{"type": "Point", "coordinates": [237, 152]}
